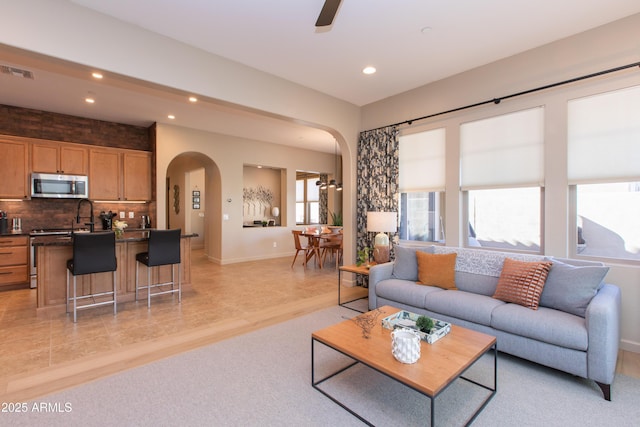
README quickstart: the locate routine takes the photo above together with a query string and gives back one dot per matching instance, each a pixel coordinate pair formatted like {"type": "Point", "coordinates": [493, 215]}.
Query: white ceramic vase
{"type": "Point", "coordinates": [405, 345]}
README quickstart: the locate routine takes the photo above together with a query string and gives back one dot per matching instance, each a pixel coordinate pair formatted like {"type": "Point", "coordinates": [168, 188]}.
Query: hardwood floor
{"type": "Point", "coordinates": [42, 354]}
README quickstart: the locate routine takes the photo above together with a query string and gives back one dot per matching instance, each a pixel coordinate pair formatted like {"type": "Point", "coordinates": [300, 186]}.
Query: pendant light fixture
{"type": "Point", "coordinates": [332, 183]}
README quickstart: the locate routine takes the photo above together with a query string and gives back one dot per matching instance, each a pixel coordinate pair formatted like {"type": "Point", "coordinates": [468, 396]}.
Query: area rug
{"type": "Point", "coordinates": [263, 378]}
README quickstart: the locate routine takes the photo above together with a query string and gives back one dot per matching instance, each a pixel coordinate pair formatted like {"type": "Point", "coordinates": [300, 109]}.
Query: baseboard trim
{"type": "Point", "coordinates": [632, 346]}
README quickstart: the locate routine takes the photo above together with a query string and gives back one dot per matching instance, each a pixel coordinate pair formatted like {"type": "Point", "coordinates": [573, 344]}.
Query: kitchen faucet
{"type": "Point", "coordinates": [91, 223]}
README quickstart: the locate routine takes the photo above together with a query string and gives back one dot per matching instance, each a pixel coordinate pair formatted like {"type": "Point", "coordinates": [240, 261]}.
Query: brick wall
{"type": "Point", "coordinates": [17, 121]}
{"type": "Point", "coordinates": [56, 213]}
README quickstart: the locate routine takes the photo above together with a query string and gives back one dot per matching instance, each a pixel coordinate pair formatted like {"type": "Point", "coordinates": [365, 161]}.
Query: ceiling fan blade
{"type": "Point", "coordinates": [327, 13]}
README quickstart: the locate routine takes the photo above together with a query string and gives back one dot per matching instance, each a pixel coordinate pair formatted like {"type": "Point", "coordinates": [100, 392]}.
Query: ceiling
{"type": "Point", "coordinates": [410, 42]}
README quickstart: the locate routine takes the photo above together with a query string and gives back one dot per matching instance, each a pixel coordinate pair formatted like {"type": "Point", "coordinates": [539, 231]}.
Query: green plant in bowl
{"type": "Point", "coordinates": [336, 218]}
{"type": "Point", "coordinates": [425, 324]}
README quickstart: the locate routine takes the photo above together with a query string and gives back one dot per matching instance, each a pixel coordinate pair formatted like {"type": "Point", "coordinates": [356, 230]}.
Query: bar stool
{"type": "Point", "coordinates": [164, 249]}
{"type": "Point", "coordinates": [92, 253]}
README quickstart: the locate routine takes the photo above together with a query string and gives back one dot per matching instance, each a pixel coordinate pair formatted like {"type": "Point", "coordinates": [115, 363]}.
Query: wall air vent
{"type": "Point", "coordinates": [6, 69]}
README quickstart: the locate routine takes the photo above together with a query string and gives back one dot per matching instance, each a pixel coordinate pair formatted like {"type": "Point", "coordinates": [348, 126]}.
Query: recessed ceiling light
{"type": "Point", "coordinates": [369, 70]}
{"type": "Point", "coordinates": [171, 116]}
{"type": "Point", "coordinates": [96, 75]}
{"type": "Point", "coordinates": [259, 166]}
{"type": "Point", "coordinates": [90, 98]}
{"type": "Point", "coordinates": [193, 99]}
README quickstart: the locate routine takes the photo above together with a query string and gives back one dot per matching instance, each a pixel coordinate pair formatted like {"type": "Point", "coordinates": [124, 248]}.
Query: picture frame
{"type": "Point", "coordinates": [196, 193]}
{"type": "Point", "coordinates": [196, 206]}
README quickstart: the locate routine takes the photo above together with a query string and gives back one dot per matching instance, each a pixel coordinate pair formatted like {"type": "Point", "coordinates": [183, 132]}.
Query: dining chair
{"type": "Point", "coordinates": [92, 253]}
{"type": "Point", "coordinates": [163, 249]}
{"type": "Point", "coordinates": [306, 249]}
{"type": "Point", "coordinates": [332, 244]}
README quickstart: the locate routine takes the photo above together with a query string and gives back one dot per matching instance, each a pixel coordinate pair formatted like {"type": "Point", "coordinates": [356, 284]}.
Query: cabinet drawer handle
{"type": "Point", "coordinates": [4, 273]}
{"type": "Point", "coordinates": [6, 253]}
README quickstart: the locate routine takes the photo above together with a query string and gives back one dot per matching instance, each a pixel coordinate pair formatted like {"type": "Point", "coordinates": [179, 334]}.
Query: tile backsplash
{"type": "Point", "coordinates": [60, 213]}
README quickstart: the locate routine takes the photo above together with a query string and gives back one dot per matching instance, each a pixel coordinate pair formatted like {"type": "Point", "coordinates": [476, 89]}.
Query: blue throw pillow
{"type": "Point", "coordinates": [405, 265]}
{"type": "Point", "coordinates": [570, 288]}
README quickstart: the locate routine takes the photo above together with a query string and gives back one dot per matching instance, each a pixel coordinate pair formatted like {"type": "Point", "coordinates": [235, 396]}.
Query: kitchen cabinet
{"type": "Point", "coordinates": [137, 176]}
{"type": "Point", "coordinates": [104, 175]}
{"type": "Point", "coordinates": [71, 159]}
{"type": "Point", "coordinates": [14, 261]}
{"type": "Point", "coordinates": [119, 175]}
{"type": "Point", "coordinates": [14, 157]}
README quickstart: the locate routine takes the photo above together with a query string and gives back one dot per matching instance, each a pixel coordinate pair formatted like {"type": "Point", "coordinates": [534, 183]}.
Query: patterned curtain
{"type": "Point", "coordinates": [377, 180]}
{"type": "Point", "coordinates": [324, 200]}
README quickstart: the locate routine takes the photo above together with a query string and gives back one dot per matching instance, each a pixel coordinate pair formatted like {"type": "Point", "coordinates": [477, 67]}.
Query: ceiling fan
{"type": "Point", "coordinates": [327, 13]}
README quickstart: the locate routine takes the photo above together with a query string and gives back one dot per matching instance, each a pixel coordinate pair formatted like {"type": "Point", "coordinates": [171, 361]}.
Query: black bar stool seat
{"type": "Point", "coordinates": [164, 249]}
{"type": "Point", "coordinates": [92, 253]}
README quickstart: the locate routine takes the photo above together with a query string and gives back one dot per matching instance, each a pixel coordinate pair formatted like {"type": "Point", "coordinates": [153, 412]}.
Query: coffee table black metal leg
{"type": "Point", "coordinates": [316, 384]}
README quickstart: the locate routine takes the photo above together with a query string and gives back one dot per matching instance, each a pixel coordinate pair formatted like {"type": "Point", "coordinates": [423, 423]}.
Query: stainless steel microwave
{"type": "Point", "coordinates": [59, 186]}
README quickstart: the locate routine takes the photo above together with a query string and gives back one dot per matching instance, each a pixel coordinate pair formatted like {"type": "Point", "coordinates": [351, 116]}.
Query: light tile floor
{"type": "Point", "coordinates": [31, 341]}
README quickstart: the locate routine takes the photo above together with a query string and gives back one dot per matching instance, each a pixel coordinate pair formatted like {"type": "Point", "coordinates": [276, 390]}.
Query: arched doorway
{"type": "Point", "coordinates": [193, 200]}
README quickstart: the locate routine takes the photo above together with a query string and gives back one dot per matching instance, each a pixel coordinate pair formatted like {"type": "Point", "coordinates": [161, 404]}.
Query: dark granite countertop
{"type": "Point", "coordinates": [128, 236]}
{"type": "Point", "coordinates": [10, 234]}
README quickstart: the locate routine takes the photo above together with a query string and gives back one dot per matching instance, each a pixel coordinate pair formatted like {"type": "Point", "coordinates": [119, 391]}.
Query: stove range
{"type": "Point", "coordinates": [50, 231]}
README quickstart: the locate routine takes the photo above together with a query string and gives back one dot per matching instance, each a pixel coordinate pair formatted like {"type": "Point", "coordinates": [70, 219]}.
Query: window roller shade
{"type": "Point", "coordinates": [503, 151]}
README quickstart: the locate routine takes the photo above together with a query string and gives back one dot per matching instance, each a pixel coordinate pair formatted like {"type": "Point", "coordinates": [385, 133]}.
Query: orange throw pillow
{"type": "Point", "coordinates": [522, 282]}
{"type": "Point", "coordinates": [437, 270]}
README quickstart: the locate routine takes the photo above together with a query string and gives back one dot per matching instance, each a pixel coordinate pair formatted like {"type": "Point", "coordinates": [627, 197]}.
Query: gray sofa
{"type": "Point", "coordinates": [576, 327]}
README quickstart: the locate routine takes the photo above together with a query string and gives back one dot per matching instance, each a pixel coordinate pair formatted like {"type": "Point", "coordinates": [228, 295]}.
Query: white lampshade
{"type": "Point", "coordinates": [386, 222]}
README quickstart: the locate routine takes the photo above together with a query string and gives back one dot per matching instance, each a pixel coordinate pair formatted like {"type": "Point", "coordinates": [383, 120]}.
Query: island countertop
{"type": "Point", "coordinates": [52, 253]}
{"type": "Point", "coordinates": [128, 236]}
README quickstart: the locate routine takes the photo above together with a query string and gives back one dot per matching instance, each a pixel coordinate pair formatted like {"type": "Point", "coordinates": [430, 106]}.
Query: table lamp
{"type": "Point", "coordinates": [381, 222]}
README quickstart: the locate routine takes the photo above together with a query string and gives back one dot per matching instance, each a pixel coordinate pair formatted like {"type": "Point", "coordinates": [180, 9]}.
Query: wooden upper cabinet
{"type": "Point", "coordinates": [104, 175]}
{"type": "Point", "coordinates": [137, 176]}
{"type": "Point", "coordinates": [59, 158]}
{"type": "Point", "coordinates": [14, 167]}
{"type": "Point", "coordinates": [119, 175]}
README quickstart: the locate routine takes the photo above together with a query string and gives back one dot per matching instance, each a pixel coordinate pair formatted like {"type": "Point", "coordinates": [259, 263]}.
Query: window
{"type": "Point", "coordinates": [501, 175]}
{"type": "Point", "coordinates": [604, 178]}
{"type": "Point", "coordinates": [505, 218]}
{"type": "Point", "coordinates": [420, 216]}
{"type": "Point", "coordinates": [607, 220]}
{"type": "Point", "coordinates": [307, 199]}
{"type": "Point", "coordinates": [422, 182]}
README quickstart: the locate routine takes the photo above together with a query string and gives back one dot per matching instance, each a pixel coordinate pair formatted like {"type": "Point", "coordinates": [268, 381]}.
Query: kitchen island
{"type": "Point", "coordinates": [53, 252]}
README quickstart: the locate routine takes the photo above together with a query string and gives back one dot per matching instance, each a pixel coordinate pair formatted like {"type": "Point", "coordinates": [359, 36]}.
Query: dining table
{"type": "Point", "coordinates": [315, 237]}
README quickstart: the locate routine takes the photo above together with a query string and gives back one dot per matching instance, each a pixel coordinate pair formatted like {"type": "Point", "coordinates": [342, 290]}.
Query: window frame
{"type": "Point", "coordinates": [307, 179]}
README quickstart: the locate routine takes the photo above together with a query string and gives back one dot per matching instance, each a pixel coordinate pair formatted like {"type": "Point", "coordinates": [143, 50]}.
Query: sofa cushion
{"type": "Point", "coordinates": [405, 265]}
{"type": "Point", "coordinates": [404, 291]}
{"type": "Point", "coordinates": [521, 282]}
{"type": "Point", "coordinates": [476, 283]}
{"type": "Point", "coordinates": [437, 270]}
{"type": "Point", "coordinates": [570, 288]}
{"type": "Point", "coordinates": [545, 324]}
{"type": "Point", "coordinates": [463, 305]}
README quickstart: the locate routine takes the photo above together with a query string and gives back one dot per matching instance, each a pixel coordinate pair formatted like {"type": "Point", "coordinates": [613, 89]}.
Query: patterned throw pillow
{"type": "Point", "coordinates": [437, 270]}
{"type": "Point", "coordinates": [522, 282]}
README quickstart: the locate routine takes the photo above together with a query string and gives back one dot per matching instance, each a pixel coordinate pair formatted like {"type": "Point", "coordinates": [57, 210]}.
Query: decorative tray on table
{"type": "Point", "coordinates": [406, 319]}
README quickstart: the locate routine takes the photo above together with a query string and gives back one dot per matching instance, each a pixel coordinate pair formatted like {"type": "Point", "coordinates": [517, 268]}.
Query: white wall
{"type": "Point", "coordinates": [603, 48]}
{"type": "Point", "coordinates": [230, 154]}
